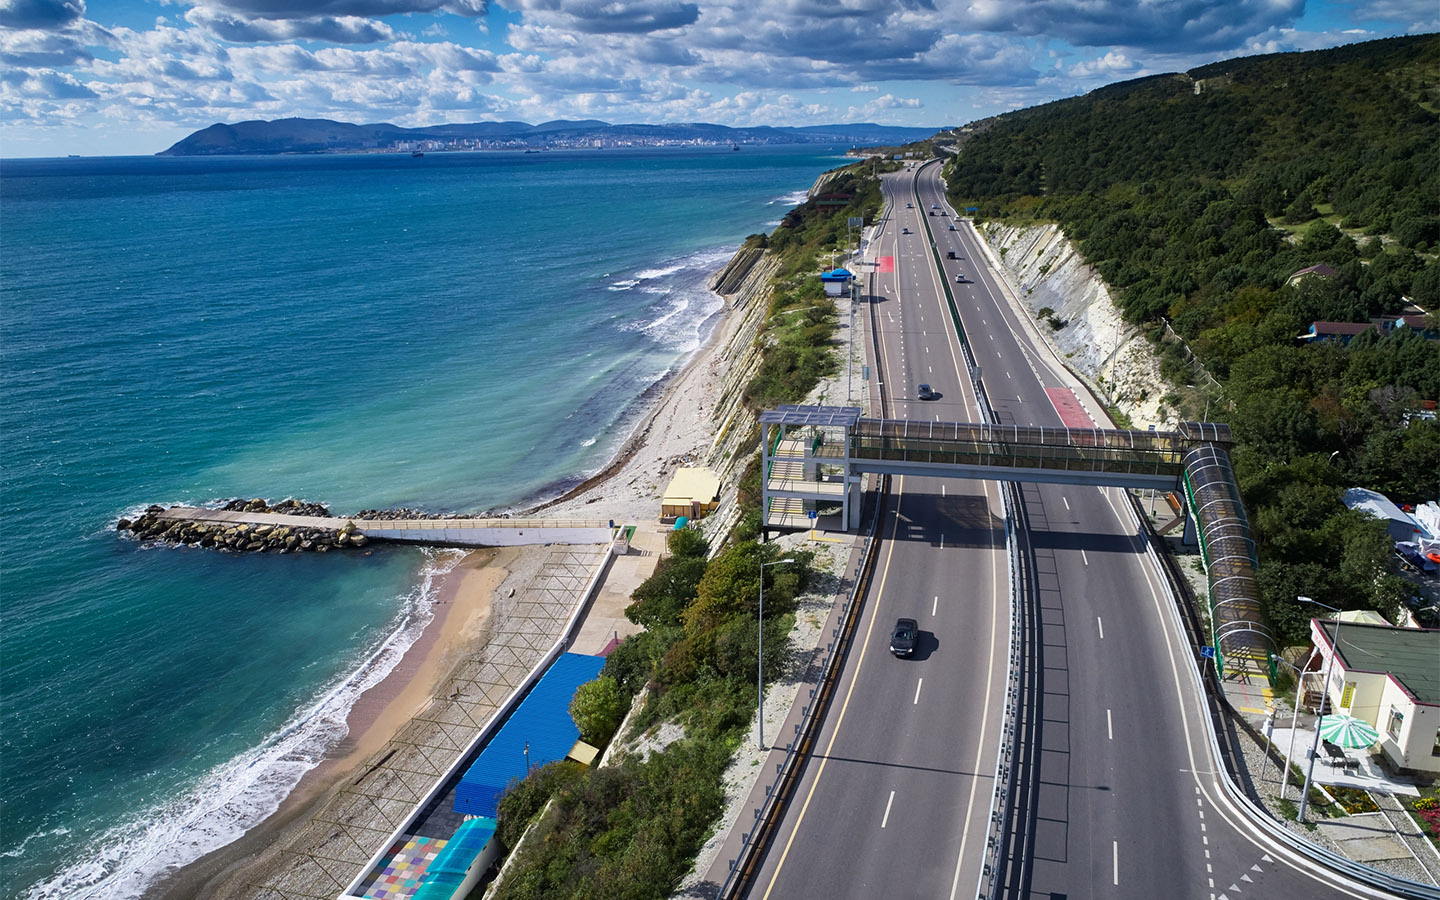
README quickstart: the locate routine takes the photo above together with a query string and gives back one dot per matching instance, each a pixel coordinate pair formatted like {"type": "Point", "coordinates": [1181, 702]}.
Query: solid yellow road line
{"type": "Point", "coordinates": [835, 732]}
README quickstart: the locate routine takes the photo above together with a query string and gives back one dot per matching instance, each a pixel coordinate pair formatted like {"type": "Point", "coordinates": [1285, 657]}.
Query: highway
{"type": "Point", "coordinates": [1123, 797]}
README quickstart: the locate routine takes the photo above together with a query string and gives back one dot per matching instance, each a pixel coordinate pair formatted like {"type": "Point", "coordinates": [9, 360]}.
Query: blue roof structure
{"type": "Point", "coordinates": [447, 872]}
{"type": "Point", "coordinates": [837, 275]}
{"type": "Point", "coordinates": [541, 723]}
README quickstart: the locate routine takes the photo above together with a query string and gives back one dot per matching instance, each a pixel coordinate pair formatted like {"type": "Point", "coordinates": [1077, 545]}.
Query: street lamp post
{"type": "Point", "coordinates": [1324, 703]}
{"type": "Point", "coordinates": [760, 657]}
{"type": "Point", "coordinates": [1294, 717]}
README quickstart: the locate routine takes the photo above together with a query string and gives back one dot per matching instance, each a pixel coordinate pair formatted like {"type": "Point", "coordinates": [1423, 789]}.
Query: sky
{"type": "Point", "coordinates": [124, 77]}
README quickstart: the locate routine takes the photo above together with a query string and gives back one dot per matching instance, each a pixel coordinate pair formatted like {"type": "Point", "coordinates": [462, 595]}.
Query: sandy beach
{"type": "Point", "coordinates": [678, 430]}
{"type": "Point", "coordinates": [461, 612]}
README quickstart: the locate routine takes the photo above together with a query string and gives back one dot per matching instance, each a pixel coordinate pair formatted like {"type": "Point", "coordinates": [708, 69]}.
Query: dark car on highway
{"type": "Point", "coordinates": [925, 392]}
{"type": "Point", "coordinates": [902, 639]}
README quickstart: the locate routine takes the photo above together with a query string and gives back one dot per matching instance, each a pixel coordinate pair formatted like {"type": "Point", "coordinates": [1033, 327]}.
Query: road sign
{"type": "Point", "coordinates": [856, 222]}
{"type": "Point", "coordinates": [813, 514]}
{"type": "Point", "coordinates": [1207, 652]}
{"type": "Point", "coordinates": [972, 209]}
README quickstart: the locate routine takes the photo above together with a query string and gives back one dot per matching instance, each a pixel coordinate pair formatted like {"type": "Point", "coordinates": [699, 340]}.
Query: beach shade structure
{"type": "Point", "coordinates": [1348, 732]}
{"type": "Point", "coordinates": [539, 731]}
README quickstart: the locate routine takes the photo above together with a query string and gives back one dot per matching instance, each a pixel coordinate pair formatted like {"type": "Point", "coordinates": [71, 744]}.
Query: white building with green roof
{"type": "Point", "coordinates": [1389, 677]}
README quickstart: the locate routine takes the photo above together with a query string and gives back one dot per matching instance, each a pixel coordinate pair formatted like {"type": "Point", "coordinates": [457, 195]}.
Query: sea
{"type": "Point", "coordinates": [457, 332]}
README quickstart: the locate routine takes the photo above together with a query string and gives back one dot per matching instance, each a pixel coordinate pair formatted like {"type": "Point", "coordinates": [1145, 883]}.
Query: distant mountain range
{"type": "Point", "coordinates": [323, 135]}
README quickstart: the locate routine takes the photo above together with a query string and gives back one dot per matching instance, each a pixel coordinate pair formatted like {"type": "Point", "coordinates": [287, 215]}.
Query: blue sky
{"type": "Point", "coordinates": [113, 77]}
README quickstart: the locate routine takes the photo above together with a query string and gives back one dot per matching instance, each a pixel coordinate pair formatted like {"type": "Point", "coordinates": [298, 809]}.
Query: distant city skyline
{"type": "Point", "coordinates": [117, 77]}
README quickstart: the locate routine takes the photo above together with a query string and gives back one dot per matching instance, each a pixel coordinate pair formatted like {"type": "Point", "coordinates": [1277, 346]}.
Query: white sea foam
{"type": "Point", "coordinates": [19, 849]}
{"type": "Point", "coordinates": [624, 284]}
{"type": "Point", "coordinates": [588, 442]}
{"type": "Point", "coordinates": [671, 269]}
{"type": "Point", "coordinates": [238, 794]}
{"type": "Point", "coordinates": [794, 198]}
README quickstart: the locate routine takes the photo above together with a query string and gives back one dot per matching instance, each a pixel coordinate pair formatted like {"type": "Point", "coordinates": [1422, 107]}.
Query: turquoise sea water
{"type": "Point", "coordinates": [456, 332]}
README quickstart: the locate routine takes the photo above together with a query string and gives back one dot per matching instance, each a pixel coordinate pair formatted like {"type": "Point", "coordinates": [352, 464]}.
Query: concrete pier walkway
{"type": "Point", "coordinates": [467, 532]}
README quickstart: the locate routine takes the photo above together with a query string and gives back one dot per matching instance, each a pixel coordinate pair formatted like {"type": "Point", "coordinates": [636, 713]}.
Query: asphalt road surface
{"type": "Point", "coordinates": [896, 800]}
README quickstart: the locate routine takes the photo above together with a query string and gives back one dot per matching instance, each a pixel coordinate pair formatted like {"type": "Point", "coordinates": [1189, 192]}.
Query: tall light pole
{"type": "Point", "coordinates": [760, 657]}
{"type": "Point", "coordinates": [1294, 716]}
{"type": "Point", "coordinates": [1324, 703]}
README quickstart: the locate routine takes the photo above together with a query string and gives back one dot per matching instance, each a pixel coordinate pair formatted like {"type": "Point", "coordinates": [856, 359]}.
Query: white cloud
{"type": "Point", "coordinates": [47, 49]}
{"type": "Point", "coordinates": [608, 16]}
{"type": "Point", "coordinates": [880, 105]}
{"type": "Point", "coordinates": [42, 14]}
{"type": "Point", "coordinates": [736, 62]}
{"type": "Point", "coordinates": [332, 29]}
{"type": "Point", "coordinates": [1112, 66]}
{"type": "Point", "coordinates": [42, 84]}
{"type": "Point", "coordinates": [1197, 25]}
{"type": "Point", "coordinates": [309, 9]}
{"type": "Point", "coordinates": [1418, 15]}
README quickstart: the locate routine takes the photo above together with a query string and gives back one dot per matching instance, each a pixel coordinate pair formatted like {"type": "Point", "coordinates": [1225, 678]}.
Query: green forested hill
{"type": "Point", "coordinates": [1196, 196]}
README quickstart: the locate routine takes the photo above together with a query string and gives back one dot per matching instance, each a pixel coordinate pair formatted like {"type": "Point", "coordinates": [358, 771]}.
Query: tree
{"type": "Point", "coordinates": [687, 542]}
{"type": "Point", "coordinates": [662, 598]}
{"type": "Point", "coordinates": [598, 708]}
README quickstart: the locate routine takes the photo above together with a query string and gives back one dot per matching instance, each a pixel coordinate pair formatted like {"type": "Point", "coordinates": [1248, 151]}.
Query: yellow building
{"type": "Point", "coordinates": [1389, 677]}
{"type": "Point", "coordinates": [693, 492]}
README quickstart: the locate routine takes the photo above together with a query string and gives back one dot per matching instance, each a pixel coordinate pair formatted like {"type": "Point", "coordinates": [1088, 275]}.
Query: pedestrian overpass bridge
{"type": "Point", "coordinates": [814, 457]}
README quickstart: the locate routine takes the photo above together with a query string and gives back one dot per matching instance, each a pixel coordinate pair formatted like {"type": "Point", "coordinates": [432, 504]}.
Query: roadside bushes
{"type": "Point", "coordinates": [800, 329]}
{"type": "Point", "coordinates": [625, 831]}
{"type": "Point", "coordinates": [632, 829]}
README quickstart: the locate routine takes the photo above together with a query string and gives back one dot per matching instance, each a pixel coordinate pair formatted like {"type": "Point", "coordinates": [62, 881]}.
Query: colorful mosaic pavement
{"type": "Point", "coordinates": [404, 868]}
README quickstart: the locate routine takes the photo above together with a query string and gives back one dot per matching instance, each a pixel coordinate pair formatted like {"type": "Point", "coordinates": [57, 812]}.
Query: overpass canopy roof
{"type": "Point", "coordinates": [822, 416]}
{"type": "Point", "coordinates": [1214, 432]}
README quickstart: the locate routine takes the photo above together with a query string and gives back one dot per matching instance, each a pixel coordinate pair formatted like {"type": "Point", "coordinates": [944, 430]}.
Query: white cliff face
{"type": "Point", "coordinates": [1046, 270]}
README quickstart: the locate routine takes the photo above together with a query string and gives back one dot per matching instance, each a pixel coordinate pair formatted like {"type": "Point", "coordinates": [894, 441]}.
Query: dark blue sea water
{"type": "Point", "coordinates": [456, 332]}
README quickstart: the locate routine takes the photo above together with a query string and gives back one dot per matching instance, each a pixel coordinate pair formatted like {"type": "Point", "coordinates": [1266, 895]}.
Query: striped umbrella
{"type": "Point", "coordinates": [1348, 731]}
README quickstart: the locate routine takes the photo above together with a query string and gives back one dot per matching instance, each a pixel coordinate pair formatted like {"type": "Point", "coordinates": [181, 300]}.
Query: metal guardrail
{"type": "Point", "coordinates": [1005, 770]}
{"type": "Point", "coordinates": [999, 812]}
{"type": "Point", "coordinates": [767, 817]}
{"type": "Point", "coordinates": [1208, 687]}
{"type": "Point", "coordinates": [743, 868]}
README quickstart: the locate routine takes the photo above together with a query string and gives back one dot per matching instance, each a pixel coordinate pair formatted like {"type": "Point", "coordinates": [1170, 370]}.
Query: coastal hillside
{"type": "Point", "coordinates": [326, 136]}
{"type": "Point", "coordinates": [1229, 209]}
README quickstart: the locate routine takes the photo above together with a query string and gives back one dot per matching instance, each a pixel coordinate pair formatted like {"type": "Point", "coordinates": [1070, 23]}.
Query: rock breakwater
{"type": "Point", "coordinates": [177, 526]}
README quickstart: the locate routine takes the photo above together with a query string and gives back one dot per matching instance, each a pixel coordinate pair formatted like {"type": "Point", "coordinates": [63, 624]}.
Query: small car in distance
{"type": "Point", "coordinates": [909, 206]}
{"type": "Point", "coordinates": [903, 638]}
{"type": "Point", "coordinates": [904, 231]}
{"type": "Point", "coordinates": [952, 227]}
{"type": "Point", "coordinates": [959, 279]}
{"type": "Point", "coordinates": [925, 392]}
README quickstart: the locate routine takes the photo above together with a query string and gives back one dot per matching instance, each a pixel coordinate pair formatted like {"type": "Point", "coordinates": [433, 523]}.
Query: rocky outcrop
{"type": "Point", "coordinates": [245, 537]}
{"type": "Point", "coordinates": [290, 507]}
{"type": "Point", "coordinates": [1072, 309]}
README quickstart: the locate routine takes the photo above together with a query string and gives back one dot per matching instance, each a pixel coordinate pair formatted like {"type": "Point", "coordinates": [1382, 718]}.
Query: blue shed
{"type": "Point", "coordinates": [835, 281]}
{"type": "Point", "coordinates": [540, 731]}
